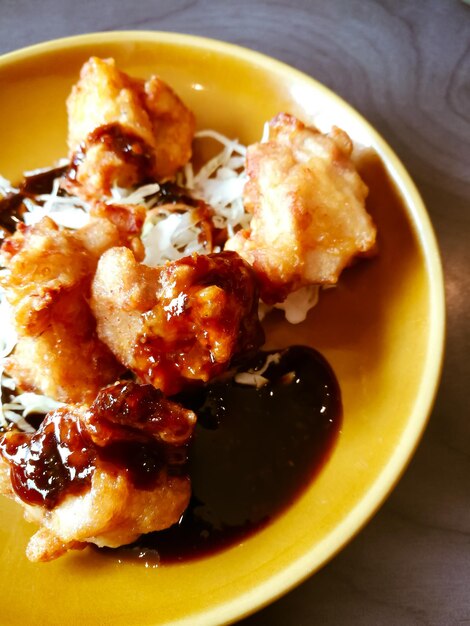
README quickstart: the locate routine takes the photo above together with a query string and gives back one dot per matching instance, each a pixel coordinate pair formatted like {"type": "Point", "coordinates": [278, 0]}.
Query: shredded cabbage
{"type": "Point", "coordinates": [6, 187]}
{"type": "Point", "coordinates": [254, 377]}
{"type": "Point", "coordinates": [220, 183]}
{"type": "Point", "coordinates": [168, 236]}
{"type": "Point", "coordinates": [141, 195]}
{"type": "Point", "coordinates": [172, 236]}
{"type": "Point", "coordinates": [24, 404]}
{"type": "Point", "coordinates": [298, 303]}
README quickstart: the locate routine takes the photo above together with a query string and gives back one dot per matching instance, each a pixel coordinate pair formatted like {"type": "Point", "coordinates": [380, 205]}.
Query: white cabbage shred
{"type": "Point", "coordinates": [254, 377]}
{"type": "Point", "coordinates": [298, 303]}
{"type": "Point", "coordinates": [220, 183]}
{"type": "Point", "coordinates": [24, 404]}
{"type": "Point", "coordinates": [67, 211]}
{"type": "Point", "coordinates": [6, 187]}
{"type": "Point", "coordinates": [170, 235]}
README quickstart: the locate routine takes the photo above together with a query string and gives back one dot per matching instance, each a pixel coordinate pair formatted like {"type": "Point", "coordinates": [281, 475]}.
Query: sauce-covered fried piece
{"type": "Point", "coordinates": [308, 205]}
{"type": "Point", "coordinates": [123, 131]}
{"type": "Point", "coordinates": [103, 474]}
{"type": "Point", "coordinates": [179, 323]}
{"type": "Point", "coordinates": [49, 271]}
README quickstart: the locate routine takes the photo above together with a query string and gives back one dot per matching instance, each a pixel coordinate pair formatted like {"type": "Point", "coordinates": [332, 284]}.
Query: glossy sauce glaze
{"type": "Point", "coordinates": [203, 317]}
{"type": "Point", "coordinates": [126, 145]}
{"type": "Point", "coordinates": [56, 461]}
{"type": "Point", "coordinates": [253, 452]}
{"type": "Point", "coordinates": [129, 428]}
{"type": "Point", "coordinates": [12, 208]}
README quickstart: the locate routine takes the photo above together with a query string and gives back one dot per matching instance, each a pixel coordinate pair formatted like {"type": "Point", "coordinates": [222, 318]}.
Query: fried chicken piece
{"type": "Point", "coordinates": [50, 270]}
{"type": "Point", "coordinates": [308, 205]}
{"type": "Point", "coordinates": [173, 126]}
{"type": "Point", "coordinates": [123, 130]}
{"type": "Point", "coordinates": [103, 474]}
{"type": "Point", "coordinates": [114, 225]}
{"type": "Point", "coordinates": [180, 323]}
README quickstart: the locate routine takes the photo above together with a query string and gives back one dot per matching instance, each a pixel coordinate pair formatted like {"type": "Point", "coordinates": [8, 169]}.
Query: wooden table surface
{"type": "Point", "coordinates": [405, 65]}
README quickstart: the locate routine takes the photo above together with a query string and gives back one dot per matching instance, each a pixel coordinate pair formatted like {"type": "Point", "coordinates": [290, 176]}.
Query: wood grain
{"type": "Point", "coordinates": [406, 67]}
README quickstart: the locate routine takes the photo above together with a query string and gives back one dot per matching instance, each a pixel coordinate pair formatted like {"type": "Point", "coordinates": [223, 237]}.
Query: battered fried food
{"type": "Point", "coordinates": [48, 281]}
{"type": "Point", "coordinates": [113, 225]}
{"type": "Point", "coordinates": [308, 205]}
{"type": "Point", "coordinates": [123, 130]}
{"type": "Point", "coordinates": [103, 474]}
{"type": "Point", "coordinates": [180, 323]}
{"type": "Point", "coordinates": [173, 127]}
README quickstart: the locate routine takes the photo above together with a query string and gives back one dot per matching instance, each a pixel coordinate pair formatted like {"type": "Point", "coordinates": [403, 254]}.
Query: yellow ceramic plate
{"type": "Point", "coordinates": [381, 330]}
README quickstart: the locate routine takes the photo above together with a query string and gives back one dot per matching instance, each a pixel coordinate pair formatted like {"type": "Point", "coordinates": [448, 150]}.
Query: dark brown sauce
{"type": "Point", "coordinates": [128, 146]}
{"type": "Point", "coordinates": [11, 214]}
{"type": "Point", "coordinates": [253, 452]}
{"type": "Point", "coordinates": [43, 469]}
{"type": "Point", "coordinates": [12, 208]}
{"type": "Point", "coordinates": [171, 193]}
{"type": "Point", "coordinates": [42, 182]}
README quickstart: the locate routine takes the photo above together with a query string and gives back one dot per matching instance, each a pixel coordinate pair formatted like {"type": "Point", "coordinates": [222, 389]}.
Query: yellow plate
{"type": "Point", "coordinates": [381, 330]}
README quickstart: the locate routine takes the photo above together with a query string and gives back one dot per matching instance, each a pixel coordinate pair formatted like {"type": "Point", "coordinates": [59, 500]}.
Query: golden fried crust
{"type": "Point", "coordinates": [114, 225]}
{"type": "Point", "coordinates": [180, 323]}
{"type": "Point", "coordinates": [35, 257]}
{"type": "Point", "coordinates": [173, 127]}
{"type": "Point", "coordinates": [62, 365]}
{"type": "Point", "coordinates": [111, 514]}
{"type": "Point", "coordinates": [103, 474]}
{"type": "Point", "coordinates": [58, 351]}
{"type": "Point", "coordinates": [308, 205]}
{"type": "Point", "coordinates": [104, 95]}
{"type": "Point", "coordinates": [123, 131]}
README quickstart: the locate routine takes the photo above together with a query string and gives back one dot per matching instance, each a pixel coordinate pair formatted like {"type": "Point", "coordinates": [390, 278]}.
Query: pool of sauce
{"type": "Point", "coordinates": [253, 453]}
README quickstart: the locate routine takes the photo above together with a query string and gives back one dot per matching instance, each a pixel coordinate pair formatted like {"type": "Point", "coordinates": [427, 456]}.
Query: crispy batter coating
{"type": "Point", "coordinates": [103, 474]}
{"type": "Point", "coordinates": [173, 127]}
{"type": "Point", "coordinates": [180, 323]}
{"type": "Point", "coordinates": [308, 204]}
{"type": "Point", "coordinates": [114, 225]}
{"type": "Point", "coordinates": [50, 269]}
{"type": "Point", "coordinates": [123, 130]}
